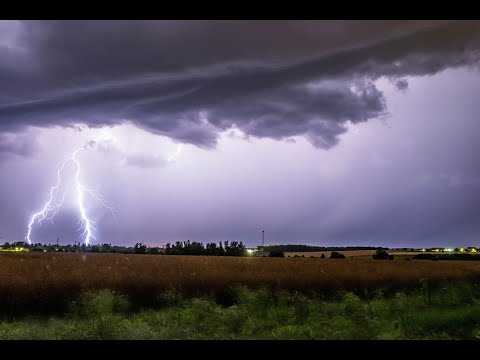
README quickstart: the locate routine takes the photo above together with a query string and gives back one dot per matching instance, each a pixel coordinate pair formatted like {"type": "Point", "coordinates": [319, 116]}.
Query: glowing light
{"type": "Point", "coordinates": [53, 205]}
{"type": "Point", "coordinates": [175, 154]}
{"type": "Point", "coordinates": [250, 251]}
{"type": "Point", "coordinates": [57, 198]}
{"type": "Point", "coordinates": [16, 249]}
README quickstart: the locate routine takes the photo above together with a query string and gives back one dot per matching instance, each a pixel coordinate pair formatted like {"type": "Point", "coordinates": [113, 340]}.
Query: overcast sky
{"type": "Point", "coordinates": [318, 132]}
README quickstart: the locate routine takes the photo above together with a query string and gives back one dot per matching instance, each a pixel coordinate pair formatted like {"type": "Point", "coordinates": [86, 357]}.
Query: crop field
{"type": "Point", "coordinates": [354, 253]}
{"type": "Point", "coordinates": [117, 296]}
{"type": "Point", "coordinates": [43, 281]}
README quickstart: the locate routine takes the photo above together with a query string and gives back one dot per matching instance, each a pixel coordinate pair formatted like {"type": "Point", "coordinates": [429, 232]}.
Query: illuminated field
{"type": "Point", "coordinates": [44, 279]}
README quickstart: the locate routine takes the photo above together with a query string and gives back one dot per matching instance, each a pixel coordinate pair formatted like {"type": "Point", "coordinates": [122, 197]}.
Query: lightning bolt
{"type": "Point", "coordinates": [54, 202]}
{"type": "Point", "coordinates": [175, 154]}
{"type": "Point", "coordinates": [52, 206]}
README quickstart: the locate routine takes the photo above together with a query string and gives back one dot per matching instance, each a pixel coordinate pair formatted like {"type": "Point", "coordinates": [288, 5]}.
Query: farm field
{"type": "Point", "coordinates": [354, 253]}
{"type": "Point", "coordinates": [43, 281]}
{"type": "Point", "coordinates": [116, 296]}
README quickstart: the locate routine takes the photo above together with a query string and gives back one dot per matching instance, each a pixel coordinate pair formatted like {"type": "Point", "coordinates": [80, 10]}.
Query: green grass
{"type": "Point", "coordinates": [442, 311]}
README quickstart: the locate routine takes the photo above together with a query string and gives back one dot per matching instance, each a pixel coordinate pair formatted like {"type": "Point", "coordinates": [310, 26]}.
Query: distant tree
{"type": "Point", "coordinates": [220, 249]}
{"type": "Point", "coordinates": [23, 244]}
{"type": "Point", "coordinates": [196, 248]}
{"type": "Point", "coordinates": [323, 256]}
{"type": "Point", "coordinates": [211, 249]}
{"type": "Point", "coordinates": [139, 248]}
{"type": "Point", "coordinates": [153, 251]}
{"type": "Point", "coordinates": [381, 254]}
{"type": "Point", "coordinates": [106, 248]}
{"type": "Point", "coordinates": [310, 248]}
{"type": "Point", "coordinates": [337, 255]}
{"type": "Point", "coordinates": [235, 249]}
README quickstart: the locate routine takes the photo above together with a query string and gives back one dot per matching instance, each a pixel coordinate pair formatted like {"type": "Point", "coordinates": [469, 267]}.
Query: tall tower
{"type": "Point", "coordinates": [263, 238]}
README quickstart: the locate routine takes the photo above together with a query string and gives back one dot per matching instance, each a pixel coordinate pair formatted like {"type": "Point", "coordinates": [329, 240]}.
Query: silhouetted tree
{"type": "Point", "coordinates": [139, 248]}
{"type": "Point", "coordinates": [211, 249]}
{"type": "Point", "coordinates": [153, 251]}
{"type": "Point", "coordinates": [235, 249]}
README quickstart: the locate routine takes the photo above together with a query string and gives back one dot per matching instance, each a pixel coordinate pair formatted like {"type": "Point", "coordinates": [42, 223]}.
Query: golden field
{"type": "Point", "coordinates": [37, 276]}
{"type": "Point", "coordinates": [353, 253]}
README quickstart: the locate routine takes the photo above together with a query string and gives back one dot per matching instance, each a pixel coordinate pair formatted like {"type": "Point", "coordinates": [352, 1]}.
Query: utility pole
{"type": "Point", "coordinates": [263, 238]}
{"type": "Point", "coordinates": [57, 240]}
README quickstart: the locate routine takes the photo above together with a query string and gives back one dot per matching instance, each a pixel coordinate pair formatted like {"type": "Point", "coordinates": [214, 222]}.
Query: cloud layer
{"type": "Point", "coordinates": [191, 80]}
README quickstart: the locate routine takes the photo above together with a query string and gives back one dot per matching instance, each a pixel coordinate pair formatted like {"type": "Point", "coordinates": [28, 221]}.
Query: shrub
{"type": "Point", "coordinates": [275, 253]}
{"type": "Point", "coordinates": [381, 254]}
{"type": "Point", "coordinates": [323, 256]}
{"type": "Point", "coordinates": [337, 255]}
{"type": "Point", "coordinates": [424, 257]}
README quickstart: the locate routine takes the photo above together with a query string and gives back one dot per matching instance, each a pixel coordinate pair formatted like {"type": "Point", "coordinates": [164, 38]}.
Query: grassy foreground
{"type": "Point", "coordinates": [447, 310]}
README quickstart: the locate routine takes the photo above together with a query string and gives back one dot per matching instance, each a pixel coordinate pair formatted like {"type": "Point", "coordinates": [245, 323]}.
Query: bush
{"type": "Point", "coordinates": [323, 256]}
{"type": "Point", "coordinates": [337, 255]}
{"type": "Point", "coordinates": [424, 257]}
{"type": "Point", "coordinates": [381, 254]}
{"type": "Point", "coordinates": [275, 253]}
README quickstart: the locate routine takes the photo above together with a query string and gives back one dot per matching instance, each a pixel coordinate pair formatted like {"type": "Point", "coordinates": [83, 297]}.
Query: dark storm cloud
{"type": "Point", "coordinates": [191, 80]}
{"type": "Point", "coordinates": [401, 84]}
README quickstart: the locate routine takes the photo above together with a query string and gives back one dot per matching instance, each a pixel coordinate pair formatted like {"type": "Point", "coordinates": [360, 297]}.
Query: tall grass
{"type": "Point", "coordinates": [46, 283]}
{"type": "Point", "coordinates": [445, 311]}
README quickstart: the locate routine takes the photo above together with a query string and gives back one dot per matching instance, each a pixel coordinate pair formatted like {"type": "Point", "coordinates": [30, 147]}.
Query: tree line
{"type": "Point", "coordinates": [312, 248]}
{"type": "Point", "coordinates": [224, 248]}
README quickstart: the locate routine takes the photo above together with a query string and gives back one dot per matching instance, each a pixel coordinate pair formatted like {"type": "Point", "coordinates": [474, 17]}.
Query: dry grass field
{"type": "Point", "coordinates": [59, 296]}
{"type": "Point", "coordinates": [353, 253]}
{"type": "Point", "coordinates": [46, 279]}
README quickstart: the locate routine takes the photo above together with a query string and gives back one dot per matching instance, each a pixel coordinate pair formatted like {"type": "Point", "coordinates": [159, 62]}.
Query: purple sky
{"type": "Point", "coordinates": [319, 132]}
